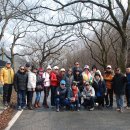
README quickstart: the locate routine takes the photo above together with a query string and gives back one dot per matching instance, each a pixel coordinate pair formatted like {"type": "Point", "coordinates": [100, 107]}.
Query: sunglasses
{"type": "Point", "coordinates": [22, 69]}
{"type": "Point", "coordinates": [62, 84]}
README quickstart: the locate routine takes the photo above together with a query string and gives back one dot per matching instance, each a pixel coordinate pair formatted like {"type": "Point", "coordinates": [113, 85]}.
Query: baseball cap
{"type": "Point", "coordinates": [56, 67]}
{"type": "Point", "coordinates": [48, 67]}
{"type": "Point", "coordinates": [109, 66]}
{"type": "Point", "coordinates": [62, 82]}
{"type": "Point", "coordinates": [28, 65]}
{"type": "Point", "coordinates": [86, 67]}
{"type": "Point", "coordinates": [8, 62]}
{"type": "Point", "coordinates": [62, 69]}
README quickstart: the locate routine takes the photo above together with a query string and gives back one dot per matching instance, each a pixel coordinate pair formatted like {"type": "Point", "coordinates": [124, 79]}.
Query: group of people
{"type": "Point", "coordinates": [69, 89]}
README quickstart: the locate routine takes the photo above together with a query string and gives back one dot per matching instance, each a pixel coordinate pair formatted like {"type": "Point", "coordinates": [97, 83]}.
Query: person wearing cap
{"type": "Point", "coordinates": [69, 78]}
{"type": "Point", "coordinates": [108, 77]}
{"type": "Point", "coordinates": [27, 66]}
{"type": "Point", "coordinates": [7, 79]}
{"type": "Point", "coordinates": [100, 89]}
{"type": "Point", "coordinates": [20, 86]}
{"type": "Point", "coordinates": [31, 85]}
{"type": "Point", "coordinates": [46, 76]}
{"type": "Point", "coordinates": [118, 84]}
{"type": "Point", "coordinates": [73, 96]}
{"type": "Point", "coordinates": [79, 79]}
{"type": "Point", "coordinates": [88, 95]}
{"type": "Point", "coordinates": [87, 77]}
{"type": "Point", "coordinates": [54, 82]}
{"type": "Point", "coordinates": [62, 74]}
{"type": "Point", "coordinates": [61, 96]}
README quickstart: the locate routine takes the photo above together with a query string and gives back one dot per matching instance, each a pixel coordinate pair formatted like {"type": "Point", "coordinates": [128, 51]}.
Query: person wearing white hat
{"type": "Point", "coordinates": [108, 77]}
{"type": "Point", "coordinates": [62, 74]}
{"type": "Point", "coordinates": [46, 76]}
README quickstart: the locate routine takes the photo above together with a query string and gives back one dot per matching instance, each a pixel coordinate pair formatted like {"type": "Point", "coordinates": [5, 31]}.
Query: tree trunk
{"type": "Point", "coordinates": [123, 55]}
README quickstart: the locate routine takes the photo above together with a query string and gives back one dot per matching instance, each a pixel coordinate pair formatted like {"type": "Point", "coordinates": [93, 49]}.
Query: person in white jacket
{"type": "Point", "coordinates": [46, 77]}
{"type": "Point", "coordinates": [31, 85]}
{"type": "Point", "coordinates": [88, 95]}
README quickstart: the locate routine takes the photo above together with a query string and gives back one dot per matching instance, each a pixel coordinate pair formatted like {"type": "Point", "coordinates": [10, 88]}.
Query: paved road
{"type": "Point", "coordinates": [48, 119]}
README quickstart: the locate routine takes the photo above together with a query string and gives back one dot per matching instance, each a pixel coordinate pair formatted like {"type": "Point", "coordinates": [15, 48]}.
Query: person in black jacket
{"type": "Point", "coordinates": [118, 84]}
{"type": "Point", "coordinates": [61, 95]}
{"type": "Point", "coordinates": [100, 89]}
{"type": "Point", "coordinates": [78, 78]}
{"type": "Point", "coordinates": [20, 86]}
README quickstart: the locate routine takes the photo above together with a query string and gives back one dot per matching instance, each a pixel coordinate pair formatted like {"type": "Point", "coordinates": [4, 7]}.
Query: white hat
{"type": "Point", "coordinates": [62, 69]}
{"type": "Point", "coordinates": [49, 67]}
{"type": "Point", "coordinates": [109, 66]}
{"type": "Point", "coordinates": [86, 67]}
{"type": "Point", "coordinates": [56, 67]}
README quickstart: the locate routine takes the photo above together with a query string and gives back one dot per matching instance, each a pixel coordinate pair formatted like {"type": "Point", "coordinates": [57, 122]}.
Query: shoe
{"type": "Point", "coordinates": [35, 105]}
{"type": "Point", "coordinates": [24, 107]}
{"type": "Point", "coordinates": [57, 110]}
{"type": "Point", "coordinates": [91, 109]}
{"type": "Point", "coordinates": [19, 108]}
{"type": "Point", "coordinates": [121, 110]}
{"type": "Point", "coordinates": [128, 108]}
{"type": "Point", "coordinates": [78, 110]}
{"type": "Point", "coordinates": [118, 109]}
{"type": "Point", "coordinates": [38, 104]}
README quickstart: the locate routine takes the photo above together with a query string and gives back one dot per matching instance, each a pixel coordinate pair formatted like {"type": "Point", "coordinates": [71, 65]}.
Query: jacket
{"type": "Point", "coordinates": [128, 81]}
{"type": "Point", "coordinates": [20, 81]}
{"type": "Point", "coordinates": [108, 77]}
{"type": "Point", "coordinates": [99, 87]}
{"type": "Point", "coordinates": [69, 79]}
{"type": "Point", "coordinates": [62, 93]}
{"type": "Point", "coordinates": [118, 84]}
{"type": "Point", "coordinates": [31, 80]}
{"type": "Point", "coordinates": [53, 79]}
{"type": "Point", "coordinates": [88, 93]}
{"type": "Point", "coordinates": [4, 75]}
{"type": "Point", "coordinates": [46, 78]}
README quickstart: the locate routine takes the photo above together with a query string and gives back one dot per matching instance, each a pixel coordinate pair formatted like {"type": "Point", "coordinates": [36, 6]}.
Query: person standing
{"type": "Point", "coordinates": [108, 77]}
{"type": "Point", "coordinates": [54, 84]}
{"type": "Point", "coordinates": [118, 84]}
{"type": "Point", "coordinates": [76, 66]}
{"type": "Point", "coordinates": [20, 86]}
{"type": "Point", "coordinates": [128, 87]}
{"type": "Point", "coordinates": [31, 85]}
{"type": "Point", "coordinates": [7, 78]}
{"type": "Point", "coordinates": [46, 77]}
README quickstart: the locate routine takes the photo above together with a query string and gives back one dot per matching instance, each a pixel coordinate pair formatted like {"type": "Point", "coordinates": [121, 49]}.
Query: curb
{"type": "Point", "coordinates": [13, 120]}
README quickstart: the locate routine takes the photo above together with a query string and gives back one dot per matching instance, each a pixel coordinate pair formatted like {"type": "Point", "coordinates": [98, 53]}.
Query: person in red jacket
{"type": "Point", "coordinates": [54, 84]}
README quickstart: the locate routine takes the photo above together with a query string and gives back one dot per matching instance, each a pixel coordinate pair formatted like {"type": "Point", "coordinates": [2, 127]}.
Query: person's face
{"type": "Point", "coordinates": [94, 69]}
{"type": "Point", "coordinates": [77, 64]}
{"type": "Point", "coordinates": [27, 68]}
{"type": "Point", "coordinates": [108, 69]}
{"type": "Point", "coordinates": [8, 65]}
{"type": "Point", "coordinates": [57, 71]}
{"type": "Point", "coordinates": [49, 70]}
{"type": "Point", "coordinates": [35, 71]}
{"type": "Point", "coordinates": [97, 77]}
{"type": "Point", "coordinates": [74, 86]}
{"type": "Point", "coordinates": [62, 86]}
{"type": "Point", "coordinates": [117, 71]}
{"type": "Point", "coordinates": [70, 72]}
{"type": "Point", "coordinates": [87, 86]}
{"type": "Point", "coordinates": [127, 70]}
{"type": "Point", "coordinates": [86, 70]}
{"type": "Point", "coordinates": [77, 72]}
{"type": "Point", "coordinates": [22, 69]}
{"type": "Point", "coordinates": [62, 72]}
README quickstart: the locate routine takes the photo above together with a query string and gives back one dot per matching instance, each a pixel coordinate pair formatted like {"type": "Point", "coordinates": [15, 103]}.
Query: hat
{"type": "Point", "coordinates": [87, 83]}
{"type": "Point", "coordinates": [77, 69]}
{"type": "Point", "coordinates": [86, 67]}
{"type": "Point", "coordinates": [74, 83]}
{"type": "Point", "coordinates": [8, 62]}
{"type": "Point", "coordinates": [62, 82]}
{"type": "Point", "coordinates": [48, 67]}
{"type": "Point", "coordinates": [40, 69]}
{"type": "Point", "coordinates": [109, 66]}
{"type": "Point", "coordinates": [97, 74]}
{"type": "Point", "coordinates": [28, 65]}
{"type": "Point", "coordinates": [56, 67]}
{"type": "Point", "coordinates": [62, 69]}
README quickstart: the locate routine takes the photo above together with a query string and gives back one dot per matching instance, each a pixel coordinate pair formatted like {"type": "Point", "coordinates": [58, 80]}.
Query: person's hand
{"type": "Point", "coordinates": [105, 94]}
{"type": "Point", "coordinates": [33, 89]}
{"type": "Point", "coordinates": [72, 99]}
{"type": "Point", "coordinates": [58, 93]}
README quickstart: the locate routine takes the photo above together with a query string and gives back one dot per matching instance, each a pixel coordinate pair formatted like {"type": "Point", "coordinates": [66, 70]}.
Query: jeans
{"type": "Point", "coordinates": [120, 101]}
{"type": "Point", "coordinates": [109, 97]}
{"type": "Point", "coordinates": [74, 105]}
{"type": "Point", "coordinates": [7, 91]}
{"type": "Point", "coordinates": [128, 96]}
{"type": "Point", "coordinates": [89, 102]}
{"type": "Point", "coordinates": [53, 92]}
{"type": "Point", "coordinates": [21, 98]}
{"type": "Point", "coordinates": [29, 98]}
{"type": "Point", "coordinates": [38, 96]}
{"type": "Point", "coordinates": [61, 102]}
